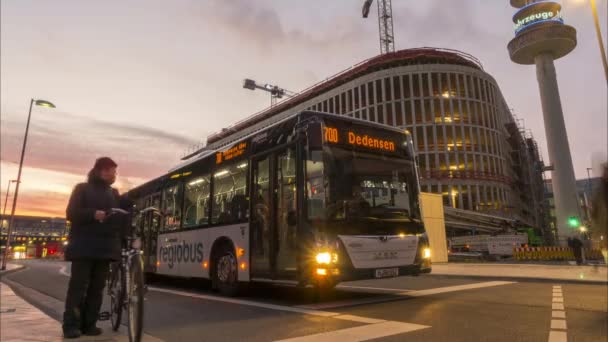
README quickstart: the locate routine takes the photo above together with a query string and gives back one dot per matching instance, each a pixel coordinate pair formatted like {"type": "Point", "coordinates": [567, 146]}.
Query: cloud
{"type": "Point", "coordinates": [70, 143]}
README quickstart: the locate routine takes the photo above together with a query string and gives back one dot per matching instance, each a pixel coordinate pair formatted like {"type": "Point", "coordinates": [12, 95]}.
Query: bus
{"type": "Point", "coordinates": [312, 199]}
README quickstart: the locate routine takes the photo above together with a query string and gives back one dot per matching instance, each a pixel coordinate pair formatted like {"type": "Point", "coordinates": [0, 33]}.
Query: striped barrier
{"type": "Point", "coordinates": [553, 253]}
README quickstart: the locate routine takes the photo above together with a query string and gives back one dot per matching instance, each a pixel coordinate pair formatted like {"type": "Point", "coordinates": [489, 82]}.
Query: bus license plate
{"type": "Point", "coordinates": [387, 272]}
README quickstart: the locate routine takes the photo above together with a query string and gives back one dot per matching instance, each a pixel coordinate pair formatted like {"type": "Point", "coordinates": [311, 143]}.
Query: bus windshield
{"type": "Point", "coordinates": [363, 193]}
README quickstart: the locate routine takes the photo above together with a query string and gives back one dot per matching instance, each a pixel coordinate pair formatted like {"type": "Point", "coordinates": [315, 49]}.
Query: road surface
{"type": "Point", "coordinates": [424, 308]}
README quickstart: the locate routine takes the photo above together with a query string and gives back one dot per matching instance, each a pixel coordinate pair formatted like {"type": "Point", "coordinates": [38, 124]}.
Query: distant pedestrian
{"type": "Point", "coordinates": [93, 243]}
{"type": "Point", "coordinates": [599, 213]}
{"type": "Point", "coordinates": [577, 246]}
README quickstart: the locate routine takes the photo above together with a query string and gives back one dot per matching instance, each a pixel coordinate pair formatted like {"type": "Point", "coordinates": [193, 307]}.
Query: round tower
{"type": "Point", "coordinates": [541, 37]}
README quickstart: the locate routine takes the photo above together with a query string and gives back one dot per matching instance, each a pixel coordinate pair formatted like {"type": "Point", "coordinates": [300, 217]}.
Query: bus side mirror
{"type": "Point", "coordinates": [314, 133]}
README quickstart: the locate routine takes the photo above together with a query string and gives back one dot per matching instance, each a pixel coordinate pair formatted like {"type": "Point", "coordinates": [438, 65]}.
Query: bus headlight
{"type": "Point", "coordinates": [426, 253]}
{"type": "Point", "coordinates": [323, 258]}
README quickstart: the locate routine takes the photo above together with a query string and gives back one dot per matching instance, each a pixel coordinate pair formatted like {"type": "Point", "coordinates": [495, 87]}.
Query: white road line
{"type": "Point", "coordinates": [349, 302]}
{"type": "Point", "coordinates": [558, 324]}
{"type": "Point", "coordinates": [359, 319]}
{"type": "Point", "coordinates": [558, 317]}
{"type": "Point", "coordinates": [371, 288]}
{"type": "Point", "coordinates": [64, 271]}
{"type": "Point", "coordinates": [362, 333]}
{"type": "Point", "coordinates": [246, 302]}
{"type": "Point", "coordinates": [410, 293]}
{"type": "Point", "coordinates": [558, 336]}
{"type": "Point", "coordinates": [373, 328]}
{"type": "Point", "coordinates": [447, 289]}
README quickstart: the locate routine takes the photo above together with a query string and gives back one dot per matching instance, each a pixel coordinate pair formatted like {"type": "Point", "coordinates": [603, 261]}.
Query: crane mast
{"type": "Point", "coordinates": [385, 24]}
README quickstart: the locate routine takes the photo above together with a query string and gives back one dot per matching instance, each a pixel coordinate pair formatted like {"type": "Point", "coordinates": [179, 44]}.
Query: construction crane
{"type": "Point", "coordinates": [385, 23]}
{"type": "Point", "coordinates": [275, 92]}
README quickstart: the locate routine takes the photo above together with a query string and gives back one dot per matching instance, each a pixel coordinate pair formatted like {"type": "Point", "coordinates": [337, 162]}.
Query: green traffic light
{"type": "Point", "coordinates": [574, 222]}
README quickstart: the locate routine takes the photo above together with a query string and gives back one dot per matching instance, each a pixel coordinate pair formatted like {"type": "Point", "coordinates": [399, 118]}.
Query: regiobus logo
{"type": "Point", "coordinates": [182, 252]}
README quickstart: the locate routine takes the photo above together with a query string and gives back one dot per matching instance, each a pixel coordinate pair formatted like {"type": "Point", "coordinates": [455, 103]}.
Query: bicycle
{"type": "Point", "coordinates": [125, 285]}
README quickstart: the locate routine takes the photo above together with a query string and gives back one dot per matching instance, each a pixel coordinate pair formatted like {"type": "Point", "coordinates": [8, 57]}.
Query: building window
{"type": "Point", "coordinates": [380, 114]}
{"type": "Point", "coordinates": [388, 111]}
{"type": "Point", "coordinates": [363, 94]}
{"type": "Point", "coordinates": [406, 87]}
{"type": "Point", "coordinates": [372, 113]}
{"type": "Point", "coordinates": [416, 85]}
{"type": "Point", "coordinates": [397, 87]}
{"type": "Point", "coordinates": [370, 93]}
{"type": "Point", "coordinates": [425, 85]}
{"type": "Point", "coordinates": [349, 101]}
{"type": "Point", "coordinates": [399, 114]}
{"type": "Point", "coordinates": [388, 90]}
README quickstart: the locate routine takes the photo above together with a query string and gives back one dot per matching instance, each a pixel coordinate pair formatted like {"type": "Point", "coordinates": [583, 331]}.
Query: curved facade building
{"type": "Point", "coordinates": [470, 148]}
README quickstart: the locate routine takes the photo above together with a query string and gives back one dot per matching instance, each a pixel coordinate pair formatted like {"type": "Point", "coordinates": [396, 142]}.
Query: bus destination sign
{"type": "Point", "coordinates": [350, 137]}
{"type": "Point", "coordinates": [231, 153]}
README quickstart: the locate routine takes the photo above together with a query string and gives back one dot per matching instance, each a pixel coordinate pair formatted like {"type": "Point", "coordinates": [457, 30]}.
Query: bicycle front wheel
{"type": "Point", "coordinates": [135, 305]}
{"type": "Point", "coordinates": [116, 286]}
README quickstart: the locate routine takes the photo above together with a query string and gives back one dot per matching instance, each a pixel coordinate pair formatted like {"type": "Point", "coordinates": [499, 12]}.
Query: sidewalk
{"type": "Point", "coordinates": [23, 322]}
{"type": "Point", "coordinates": [576, 274]}
{"type": "Point", "coordinates": [20, 321]}
{"type": "Point", "coordinates": [10, 267]}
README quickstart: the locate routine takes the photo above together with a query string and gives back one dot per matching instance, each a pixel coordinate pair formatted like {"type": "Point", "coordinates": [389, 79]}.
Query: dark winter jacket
{"type": "Point", "coordinates": [89, 238]}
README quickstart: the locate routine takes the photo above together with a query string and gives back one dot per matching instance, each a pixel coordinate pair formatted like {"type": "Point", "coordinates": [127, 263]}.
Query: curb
{"type": "Point", "coordinates": [18, 268]}
{"type": "Point", "coordinates": [523, 279]}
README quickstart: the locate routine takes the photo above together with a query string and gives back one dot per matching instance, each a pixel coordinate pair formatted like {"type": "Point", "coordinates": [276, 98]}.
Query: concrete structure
{"type": "Point", "coordinates": [541, 37]}
{"type": "Point", "coordinates": [471, 150]}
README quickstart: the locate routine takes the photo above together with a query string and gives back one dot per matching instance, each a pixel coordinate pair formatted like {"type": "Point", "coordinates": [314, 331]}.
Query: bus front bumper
{"type": "Point", "coordinates": [351, 274]}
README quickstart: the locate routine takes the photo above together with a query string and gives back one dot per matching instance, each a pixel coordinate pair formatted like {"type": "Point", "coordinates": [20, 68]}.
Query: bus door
{"type": "Point", "coordinates": [261, 213]}
{"type": "Point", "coordinates": [273, 220]}
{"type": "Point", "coordinates": [150, 237]}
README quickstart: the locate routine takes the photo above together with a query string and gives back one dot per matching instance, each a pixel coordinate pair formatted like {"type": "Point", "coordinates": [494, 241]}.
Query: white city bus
{"type": "Point", "coordinates": [313, 199]}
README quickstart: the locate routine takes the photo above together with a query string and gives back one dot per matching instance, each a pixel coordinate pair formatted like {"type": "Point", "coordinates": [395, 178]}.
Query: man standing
{"type": "Point", "coordinates": [93, 243]}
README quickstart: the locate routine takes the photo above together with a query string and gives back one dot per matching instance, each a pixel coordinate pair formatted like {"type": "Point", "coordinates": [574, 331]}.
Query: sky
{"type": "Point", "coordinates": [142, 81]}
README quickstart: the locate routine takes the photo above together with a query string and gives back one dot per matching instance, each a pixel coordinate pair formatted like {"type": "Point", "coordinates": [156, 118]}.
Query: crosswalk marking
{"type": "Point", "coordinates": [558, 336]}
{"type": "Point", "coordinates": [362, 333]}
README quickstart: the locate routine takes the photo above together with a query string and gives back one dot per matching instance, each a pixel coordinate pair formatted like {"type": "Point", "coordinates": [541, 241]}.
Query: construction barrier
{"type": "Point", "coordinates": [553, 253]}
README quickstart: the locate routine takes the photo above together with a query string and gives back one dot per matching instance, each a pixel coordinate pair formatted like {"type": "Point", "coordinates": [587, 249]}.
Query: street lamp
{"type": "Point", "coordinates": [598, 32]}
{"type": "Point", "coordinates": [41, 103]}
{"type": "Point", "coordinates": [8, 190]}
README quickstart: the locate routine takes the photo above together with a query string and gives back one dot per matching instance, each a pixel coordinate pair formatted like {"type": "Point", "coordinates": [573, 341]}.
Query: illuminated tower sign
{"type": "Point", "coordinates": [541, 36]}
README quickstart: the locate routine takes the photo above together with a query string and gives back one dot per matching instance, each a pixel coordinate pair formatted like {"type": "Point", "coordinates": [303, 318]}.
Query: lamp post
{"type": "Point", "coordinates": [8, 190]}
{"type": "Point", "coordinates": [41, 103]}
{"type": "Point", "coordinates": [600, 41]}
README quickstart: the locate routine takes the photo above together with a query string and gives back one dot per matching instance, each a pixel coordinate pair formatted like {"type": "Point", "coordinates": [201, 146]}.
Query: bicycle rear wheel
{"type": "Point", "coordinates": [117, 287]}
{"type": "Point", "coordinates": [135, 305]}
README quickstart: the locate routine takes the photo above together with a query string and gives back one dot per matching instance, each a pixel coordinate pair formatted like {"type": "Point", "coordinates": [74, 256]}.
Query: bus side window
{"type": "Point", "coordinates": [172, 207]}
{"type": "Point", "coordinates": [197, 201]}
{"type": "Point", "coordinates": [230, 203]}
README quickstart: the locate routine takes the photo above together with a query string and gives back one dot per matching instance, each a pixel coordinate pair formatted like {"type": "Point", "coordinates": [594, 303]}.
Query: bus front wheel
{"type": "Point", "coordinates": [225, 275]}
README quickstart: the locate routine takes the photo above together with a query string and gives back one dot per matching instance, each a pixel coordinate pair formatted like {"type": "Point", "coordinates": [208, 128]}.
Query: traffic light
{"type": "Point", "coordinates": [574, 222]}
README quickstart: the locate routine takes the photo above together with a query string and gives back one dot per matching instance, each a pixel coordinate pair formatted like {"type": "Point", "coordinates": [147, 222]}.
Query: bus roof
{"type": "Point", "coordinates": [206, 152]}
{"type": "Point", "coordinates": [227, 141]}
